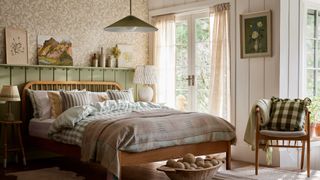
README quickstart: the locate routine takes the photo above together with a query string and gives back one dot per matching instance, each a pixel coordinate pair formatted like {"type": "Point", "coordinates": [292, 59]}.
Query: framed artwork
{"type": "Point", "coordinates": [126, 56]}
{"type": "Point", "coordinates": [55, 50]}
{"type": "Point", "coordinates": [16, 45]}
{"type": "Point", "coordinates": [256, 36]}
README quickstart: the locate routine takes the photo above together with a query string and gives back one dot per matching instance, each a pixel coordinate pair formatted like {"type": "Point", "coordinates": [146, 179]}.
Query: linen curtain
{"type": "Point", "coordinates": [220, 91]}
{"type": "Point", "coordinates": [164, 58]}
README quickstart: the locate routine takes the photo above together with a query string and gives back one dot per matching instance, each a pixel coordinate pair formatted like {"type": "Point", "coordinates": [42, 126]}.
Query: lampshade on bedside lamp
{"type": "Point", "coordinates": [146, 75]}
{"type": "Point", "coordinates": [9, 94]}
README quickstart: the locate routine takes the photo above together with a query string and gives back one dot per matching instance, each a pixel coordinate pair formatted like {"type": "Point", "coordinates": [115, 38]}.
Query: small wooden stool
{"type": "Point", "coordinates": [17, 129]}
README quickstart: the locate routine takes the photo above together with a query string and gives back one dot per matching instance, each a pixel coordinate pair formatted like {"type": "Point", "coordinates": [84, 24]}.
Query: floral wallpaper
{"type": "Point", "coordinates": [82, 20]}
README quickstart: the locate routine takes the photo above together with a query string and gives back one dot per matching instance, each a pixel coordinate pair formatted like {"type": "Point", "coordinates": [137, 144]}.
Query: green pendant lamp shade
{"type": "Point", "coordinates": [130, 24]}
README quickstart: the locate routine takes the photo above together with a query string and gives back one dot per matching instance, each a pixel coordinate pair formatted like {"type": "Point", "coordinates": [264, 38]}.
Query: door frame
{"type": "Point", "coordinates": [190, 18]}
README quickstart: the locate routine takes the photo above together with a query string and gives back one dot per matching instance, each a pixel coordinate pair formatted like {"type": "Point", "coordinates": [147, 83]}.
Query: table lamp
{"type": "Point", "coordinates": [146, 75]}
{"type": "Point", "coordinates": [9, 94]}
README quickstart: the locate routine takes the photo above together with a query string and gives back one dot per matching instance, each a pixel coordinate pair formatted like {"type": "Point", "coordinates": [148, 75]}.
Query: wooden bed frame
{"type": "Point", "coordinates": [126, 158]}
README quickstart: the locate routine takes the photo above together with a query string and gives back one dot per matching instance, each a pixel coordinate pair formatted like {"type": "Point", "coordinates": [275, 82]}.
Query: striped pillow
{"type": "Point", "coordinates": [71, 99]}
{"type": "Point", "coordinates": [126, 95]}
{"type": "Point", "coordinates": [287, 115]}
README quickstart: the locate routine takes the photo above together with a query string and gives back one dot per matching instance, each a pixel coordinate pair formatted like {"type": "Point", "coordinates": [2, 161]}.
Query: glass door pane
{"type": "Point", "coordinates": [182, 66]}
{"type": "Point", "coordinates": [202, 63]}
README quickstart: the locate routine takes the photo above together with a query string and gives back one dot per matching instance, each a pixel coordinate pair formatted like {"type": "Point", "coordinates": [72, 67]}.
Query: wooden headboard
{"type": "Point", "coordinates": [26, 107]}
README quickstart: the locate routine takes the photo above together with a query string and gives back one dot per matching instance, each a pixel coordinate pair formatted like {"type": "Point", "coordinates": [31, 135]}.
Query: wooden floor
{"type": "Point", "coordinates": [93, 171]}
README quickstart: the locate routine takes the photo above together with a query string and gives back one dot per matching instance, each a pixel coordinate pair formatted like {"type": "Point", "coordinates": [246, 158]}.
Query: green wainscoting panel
{"type": "Point", "coordinates": [120, 77]}
{"type": "Point", "coordinates": [85, 74]}
{"type": "Point", "coordinates": [4, 80]}
{"type": "Point", "coordinates": [129, 83]}
{"type": "Point", "coordinates": [73, 74]}
{"type": "Point", "coordinates": [97, 74]}
{"type": "Point", "coordinates": [32, 74]}
{"type": "Point", "coordinates": [4, 76]}
{"type": "Point", "coordinates": [18, 78]}
{"type": "Point", "coordinates": [109, 75]}
{"type": "Point", "coordinates": [46, 73]}
{"type": "Point", "coordinates": [60, 74]}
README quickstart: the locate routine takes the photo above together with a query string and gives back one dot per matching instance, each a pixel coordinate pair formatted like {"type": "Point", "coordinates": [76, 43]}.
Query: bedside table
{"type": "Point", "coordinates": [16, 125]}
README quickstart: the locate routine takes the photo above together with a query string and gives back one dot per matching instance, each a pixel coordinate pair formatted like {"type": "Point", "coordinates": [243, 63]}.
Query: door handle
{"type": "Point", "coordinates": [191, 80]}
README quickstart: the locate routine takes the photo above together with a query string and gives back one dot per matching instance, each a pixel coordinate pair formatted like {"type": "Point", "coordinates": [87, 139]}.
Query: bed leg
{"type": "Point", "coordinates": [228, 157]}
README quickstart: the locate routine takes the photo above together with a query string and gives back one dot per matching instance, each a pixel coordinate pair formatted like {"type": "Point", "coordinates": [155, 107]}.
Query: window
{"type": "Point", "coordinates": [193, 62]}
{"type": "Point", "coordinates": [312, 53]}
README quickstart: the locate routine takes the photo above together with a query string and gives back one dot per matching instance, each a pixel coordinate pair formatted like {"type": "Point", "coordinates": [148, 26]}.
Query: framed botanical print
{"type": "Point", "coordinates": [16, 45]}
{"type": "Point", "coordinates": [256, 36]}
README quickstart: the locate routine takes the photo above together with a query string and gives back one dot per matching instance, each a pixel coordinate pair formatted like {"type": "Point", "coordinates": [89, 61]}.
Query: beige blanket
{"type": "Point", "coordinates": [142, 131]}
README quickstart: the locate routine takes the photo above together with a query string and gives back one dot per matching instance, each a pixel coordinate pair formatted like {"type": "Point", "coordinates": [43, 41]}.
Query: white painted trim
{"type": "Point", "coordinates": [284, 49]}
{"type": "Point", "coordinates": [193, 6]}
{"type": "Point", "coordinates": [302, 72]}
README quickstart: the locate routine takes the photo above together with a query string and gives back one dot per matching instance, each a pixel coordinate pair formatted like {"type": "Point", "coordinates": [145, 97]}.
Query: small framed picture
{"type": "Point", "coordinates": [16, 45]}
{"type": "Point", "coordinates": [126, 58]}
{"type": "Point", "coordinates": [256, 35]}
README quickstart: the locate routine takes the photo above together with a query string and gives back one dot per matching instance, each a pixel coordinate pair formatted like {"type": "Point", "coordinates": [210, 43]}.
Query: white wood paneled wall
{"type": "Point", "coordinates": [290, 81]}
{"type": "Point", "coordinates": [254, 78]}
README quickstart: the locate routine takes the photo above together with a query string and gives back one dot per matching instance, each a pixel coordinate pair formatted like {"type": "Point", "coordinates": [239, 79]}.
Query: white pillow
{"type": "Point", "coordinates": [43, 104]}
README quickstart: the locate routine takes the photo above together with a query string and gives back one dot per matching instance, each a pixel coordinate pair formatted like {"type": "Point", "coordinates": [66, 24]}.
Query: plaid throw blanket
{"type": "Point", "coordinates": [103, 129]}
{"type": "Point", "coordinates": [142, 131]}
{"type": "Point", "coordinates": [98, 111]}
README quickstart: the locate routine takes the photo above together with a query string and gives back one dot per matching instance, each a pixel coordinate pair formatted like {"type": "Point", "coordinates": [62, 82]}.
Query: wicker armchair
{"type": "Point", "coordinates": [286, 139]}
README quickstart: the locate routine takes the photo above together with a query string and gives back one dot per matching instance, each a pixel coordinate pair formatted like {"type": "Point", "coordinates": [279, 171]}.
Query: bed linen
{"type": "Point", "coordinates": [40, 127]}
{"type": "Point", "coordinates": [102, 129]}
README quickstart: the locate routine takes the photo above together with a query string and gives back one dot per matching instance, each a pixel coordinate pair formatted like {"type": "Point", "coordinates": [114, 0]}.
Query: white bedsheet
{"type": "Point", "coordinates": [40, 128]}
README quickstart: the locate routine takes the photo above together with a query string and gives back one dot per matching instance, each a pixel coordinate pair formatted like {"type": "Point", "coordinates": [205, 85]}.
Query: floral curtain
{"type": "Point", "coordinates": [220, 91]}
{"type": "Point", "coordinates": [164, 58]}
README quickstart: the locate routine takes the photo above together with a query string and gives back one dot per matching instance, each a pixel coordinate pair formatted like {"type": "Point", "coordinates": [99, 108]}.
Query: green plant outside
{"type": "Point", "coordinates": [314, 108]}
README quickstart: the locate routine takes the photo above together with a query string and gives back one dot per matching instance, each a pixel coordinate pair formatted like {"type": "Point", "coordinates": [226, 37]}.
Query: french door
{"type": "Point", "coordinates": [193, 61]}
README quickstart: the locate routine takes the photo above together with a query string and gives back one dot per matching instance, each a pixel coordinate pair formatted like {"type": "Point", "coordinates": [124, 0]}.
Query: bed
{"type": "Point", "coordinates": [125, 158]}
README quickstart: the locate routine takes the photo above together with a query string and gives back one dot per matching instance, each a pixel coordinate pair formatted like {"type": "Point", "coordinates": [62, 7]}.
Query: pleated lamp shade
{"type": "Point", "coordinates": [145, 74]}
{"type": "Point", "coordinates": [9, 93]}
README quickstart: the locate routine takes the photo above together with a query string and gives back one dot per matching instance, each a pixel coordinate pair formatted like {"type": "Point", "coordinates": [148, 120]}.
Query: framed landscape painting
{"type": "Point", "coordinates": [16, 45]}
{"type": "Point", "coordinates": [55, 50]}
{"type": "Point", "coordinates": [256, 36]}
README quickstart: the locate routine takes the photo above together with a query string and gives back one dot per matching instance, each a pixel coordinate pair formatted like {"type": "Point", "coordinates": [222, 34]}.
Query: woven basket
{"type": "Point", "coordinates": [187, 174]}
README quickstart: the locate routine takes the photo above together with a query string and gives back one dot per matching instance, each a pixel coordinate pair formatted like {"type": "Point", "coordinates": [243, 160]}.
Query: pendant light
{"type": "Point", "coordinates": [130, 24]}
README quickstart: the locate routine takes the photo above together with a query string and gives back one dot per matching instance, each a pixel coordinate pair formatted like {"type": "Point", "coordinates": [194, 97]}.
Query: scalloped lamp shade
{"type": "Point", "coordinates": [145, 74]}
{"type": "Point", "coordinates": [9, 93]}
{"type": "Point", "coordinates": [130, 24]}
